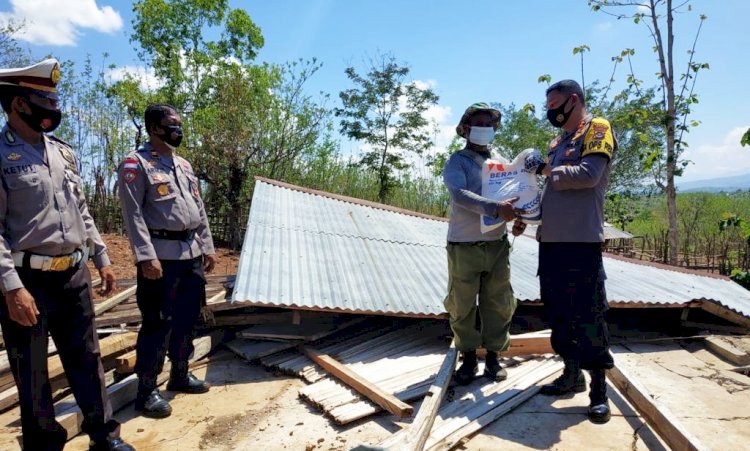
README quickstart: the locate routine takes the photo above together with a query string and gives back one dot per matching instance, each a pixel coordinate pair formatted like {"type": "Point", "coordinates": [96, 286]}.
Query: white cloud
{"type": "Point", "coordinates": [723, 159]}
{"type": "Point", "coordinates": [145, 76]}
{"type": "Point", "coordinates": [53, 22]}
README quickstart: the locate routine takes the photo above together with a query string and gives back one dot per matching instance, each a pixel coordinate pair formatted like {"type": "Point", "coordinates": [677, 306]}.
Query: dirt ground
{"type": "Point", "coordinates": [121, 256]}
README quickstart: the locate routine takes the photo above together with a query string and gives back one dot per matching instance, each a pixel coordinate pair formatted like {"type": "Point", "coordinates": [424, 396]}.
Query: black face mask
{"type": "Point", "coordinates": [167, 137]}
{"type": "Point", "coordinates": [41, 120]}
{"type": "Point", "coordinates": [557, 116]}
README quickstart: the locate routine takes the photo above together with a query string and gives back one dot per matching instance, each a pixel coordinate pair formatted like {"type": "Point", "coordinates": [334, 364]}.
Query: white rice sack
{"type": "Point", "coordinates": [502, 180]}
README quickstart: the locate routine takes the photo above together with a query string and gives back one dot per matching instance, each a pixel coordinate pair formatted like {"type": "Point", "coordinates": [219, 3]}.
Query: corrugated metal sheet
{"type": "Point", "coordinates": [610, 232]}
{"type": "Point", "coordinates": [316, 252]}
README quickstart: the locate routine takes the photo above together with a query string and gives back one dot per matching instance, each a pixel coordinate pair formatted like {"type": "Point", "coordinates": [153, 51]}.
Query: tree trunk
{"type": "Point", "coordinates": [234, 219]}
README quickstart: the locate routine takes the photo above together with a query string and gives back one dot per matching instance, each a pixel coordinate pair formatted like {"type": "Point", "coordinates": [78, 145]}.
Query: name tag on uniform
{"type": "Point", "coordinates": [20, 169]}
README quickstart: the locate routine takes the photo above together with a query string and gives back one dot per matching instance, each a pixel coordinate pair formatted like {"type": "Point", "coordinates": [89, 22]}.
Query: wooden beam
{"type": "Point", "coordinates": [108, 303]}
{"type": "Point", "coordinates": [248, 319]}
{"type": "Point", "coordinates": [123, 392]}
{"type": "Point", "coordinates": [108, 346]}
{"type": "Point", "coordinates": [125, 364]}
{"type": "Point", "coordinates": [655, 413]}
{"type": "Point", "coordinates": [723, 312]}
{"type": "Point", "coordinates": [415, 436]}
{"type": "Point", "coordinates": [385, 400]}
{"type": "Point", "coordinates": [716, 327]}
{"type": "Point", "coordinates": [307, 332]}
{"type": "Point", "coordinates": [112, 318]}
{"type": "Point", "coordinates": [531, 343]}
{"type": "Point", "coordinates": [724, 349]}
{"type": "Point", "coordinates": [255, 349]}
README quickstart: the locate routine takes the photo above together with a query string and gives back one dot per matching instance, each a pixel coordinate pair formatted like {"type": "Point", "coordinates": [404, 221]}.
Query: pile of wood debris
{"type": "Point", "coordinates": [355, 366]}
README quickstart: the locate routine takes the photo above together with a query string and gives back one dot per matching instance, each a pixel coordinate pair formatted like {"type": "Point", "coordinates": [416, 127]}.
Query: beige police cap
{"type": "Point", "coordinates": [41, 77]}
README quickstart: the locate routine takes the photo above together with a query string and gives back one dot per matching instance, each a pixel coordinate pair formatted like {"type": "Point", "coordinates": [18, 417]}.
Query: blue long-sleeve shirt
{"type": "Point", "coordinates": [462, 176]}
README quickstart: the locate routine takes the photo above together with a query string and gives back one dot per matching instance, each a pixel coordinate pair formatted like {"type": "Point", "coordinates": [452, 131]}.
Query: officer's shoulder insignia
{"type": "Point", "coordinates": [65, 149]}
{"type": "Point", "coordinates": [598, 139]}
{"type": "Point", "coordinates": [554, 142]}
{"type": "Point", "coordinates": [130, 169]}
{"type": "Point", "coordinates": [14, 156]}
{"type": "Point", "coordinates": [10, 137]}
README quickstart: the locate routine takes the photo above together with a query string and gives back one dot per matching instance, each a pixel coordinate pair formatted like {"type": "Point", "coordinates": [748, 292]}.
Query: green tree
{"type": "Point", "coordinates": [11, 53]}
{"type": "Point", "coordinates": [386, 112]}
{"type": "Point", "coordinates": [522, 129]}
{"type": "Point", "coordinates": [258, 123]}
{"type": "Point", "coordinates": [97, 125]}
{"type": "Point", "coordinates": [745, 141]}
{"type": "Point", "coordinates": [677, 89]}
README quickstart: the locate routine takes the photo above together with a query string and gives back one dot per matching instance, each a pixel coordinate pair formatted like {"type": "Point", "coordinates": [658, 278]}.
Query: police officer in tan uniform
{"type": "Point", "coordinates": [172, 244]}
{"type": "Point", "coordinates": [47, 236]}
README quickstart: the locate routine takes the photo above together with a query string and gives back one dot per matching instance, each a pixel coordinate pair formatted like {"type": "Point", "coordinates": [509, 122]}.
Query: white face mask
{"type": "Point", "coordinates": [481, 136]}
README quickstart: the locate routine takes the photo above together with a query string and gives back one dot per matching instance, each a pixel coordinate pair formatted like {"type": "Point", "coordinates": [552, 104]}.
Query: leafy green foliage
{"type": "Point", "coordinates": [745, 141]}
{"type": "Point", "coordinates": [386, 112]}
{"type": "Point", "coordinates": [11, 53]}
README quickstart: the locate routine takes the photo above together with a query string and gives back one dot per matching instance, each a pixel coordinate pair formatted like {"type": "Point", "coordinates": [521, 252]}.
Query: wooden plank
{"type": "Point", "coordinates": [248, 319]}
{"type": "Point", "coordinates": [654, 412]}
{"type": "Point", "coordinates": [125, 364]}
{"type": "Point", "coordinates": [718, 328]}
{"type": "Point", "coordinates": [415, 436]}
{"type": "Point", "coordinates": [126, 317]}
{"type": "Point", "coordinates": [724, 349]}
{"type": "Point", "coordinates": [352, 379]}
{"type": "Point", "coordinates": [108, 303]}
{"type": "Point", "coordinates": [108, 346]}
{"type": "Point", "coordinates": [123, 393]}
{"type": "Point", "coordinates": [307, 332]}
{"type": "Point", "coordinates": [723, 312]}
{"type": "Point", "coordinates": [255, 349]}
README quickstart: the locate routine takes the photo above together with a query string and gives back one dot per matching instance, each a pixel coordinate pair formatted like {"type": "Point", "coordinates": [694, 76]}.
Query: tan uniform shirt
{"type": "Point", "coordinates": [43, 209]}
{"type": "Point", "coordinates": [573, 196]}
{"type": "Point", "coordinates": [162, 193]}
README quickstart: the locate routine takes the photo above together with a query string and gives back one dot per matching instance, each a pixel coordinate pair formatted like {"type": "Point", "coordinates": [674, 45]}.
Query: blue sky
{"type": "Point", "coordinates": [467, 51]}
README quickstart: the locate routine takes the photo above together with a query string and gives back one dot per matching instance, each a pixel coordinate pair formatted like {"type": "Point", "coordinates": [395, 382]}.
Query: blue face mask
{"type": "Point", "coordinates": [481, 136]}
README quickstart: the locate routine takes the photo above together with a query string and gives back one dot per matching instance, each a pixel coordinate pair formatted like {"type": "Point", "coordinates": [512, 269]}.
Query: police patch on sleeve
{"type": "Point", "coordinates": [598, 139]}
{"type": "Point", "coordinates": [129, 169]}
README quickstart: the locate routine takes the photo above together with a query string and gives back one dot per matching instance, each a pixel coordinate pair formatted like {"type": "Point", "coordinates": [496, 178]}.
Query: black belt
{"type": "Point", "coordinates": [176, 235]}
{"type": "Point", "coordinates": [476, 243]}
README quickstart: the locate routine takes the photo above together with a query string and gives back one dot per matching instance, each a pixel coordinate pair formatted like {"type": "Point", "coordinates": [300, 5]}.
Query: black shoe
{"type": "Point", "coordinates": [188, 384]}
{"type": "Point", "coordinates": [492, 368]}
{"type": "Point", "coordinates": [468, 369]}
{"type": "Point", "coordinates": [568, 382]}
{"type": "Point", "coordinates": [153, 405]}
{"type": "Point", "coordinates": [599, 413]}
{"type": "Point", "coordinates": [111, 444]}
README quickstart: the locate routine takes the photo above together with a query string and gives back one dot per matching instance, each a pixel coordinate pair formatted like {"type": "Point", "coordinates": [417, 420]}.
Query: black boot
{"type": "Point", "coordinates": [183, 381]}
{"type": "Point", "coordinates": [571, 381]}
{"type": "Point", "coordinates": [468, 369]}
{"type": "Point", "coordinates": [150, 403]}
{"type": "Point", "coordinates": [492, 368]}
{"type": "Point", "coordinates": [110, 444]}
{"type": "Point", "coordinates": [599, 406]}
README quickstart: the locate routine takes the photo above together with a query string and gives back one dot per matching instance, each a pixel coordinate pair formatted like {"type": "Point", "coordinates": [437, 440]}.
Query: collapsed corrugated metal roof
{"type": "Point", "coordinates": [319, 251]}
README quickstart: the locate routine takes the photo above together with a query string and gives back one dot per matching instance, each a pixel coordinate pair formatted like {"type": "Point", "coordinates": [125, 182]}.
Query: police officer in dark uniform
{"type": "Point", "coordinates": [47, 237]}
{"type": "Point", "coordinates": [571, 272]}
{"type": "Point", "coordinates": [172, 244]}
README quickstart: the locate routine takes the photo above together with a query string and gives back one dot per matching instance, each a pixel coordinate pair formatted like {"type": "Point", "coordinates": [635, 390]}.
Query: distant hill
{"type": "Point", "coordinates": [727, 184]}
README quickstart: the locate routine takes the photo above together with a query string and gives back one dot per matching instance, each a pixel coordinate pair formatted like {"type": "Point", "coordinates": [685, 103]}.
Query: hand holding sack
{"type": "Point", "coordinates": [502, 180]}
